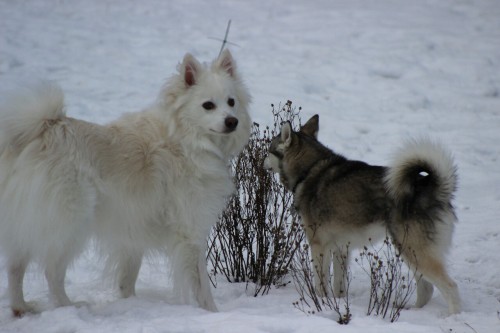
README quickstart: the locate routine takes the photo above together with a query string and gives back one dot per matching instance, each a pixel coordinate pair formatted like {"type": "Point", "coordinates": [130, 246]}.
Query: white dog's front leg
{"type": "Point", "coordinates": [128, 271]}
{"type": "Point", "coordinates": [204, 295]}
{"type": "Point", "coordinates": [189, 269]}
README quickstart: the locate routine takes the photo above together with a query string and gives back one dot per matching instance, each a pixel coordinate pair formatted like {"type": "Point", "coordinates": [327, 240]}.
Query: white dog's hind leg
{"type": "Point", "coordinates": [128, 268]}
{"type": "Point", "coordinates": [17, 269]}
{"type": "Point", "coordinates": [73, 205]}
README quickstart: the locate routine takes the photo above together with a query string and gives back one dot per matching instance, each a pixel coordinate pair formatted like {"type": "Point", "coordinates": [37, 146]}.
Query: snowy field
{"type": "Point", "coordinates": [377, 72]}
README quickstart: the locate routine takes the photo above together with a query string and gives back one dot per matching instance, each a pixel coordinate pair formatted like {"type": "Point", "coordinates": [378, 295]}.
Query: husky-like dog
{"type": "Point", "coordinates": [151, 182]}
{"type": "Point", "coordinates": [344, 203]}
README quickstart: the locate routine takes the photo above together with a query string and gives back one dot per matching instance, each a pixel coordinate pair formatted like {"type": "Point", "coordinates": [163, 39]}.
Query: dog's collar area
{"type": "Point", "coordinates": [299, 181]}
{"type": "Point", "coordinates": [303, 176]}
{"type": "Point", "coordinates": [278, 154]}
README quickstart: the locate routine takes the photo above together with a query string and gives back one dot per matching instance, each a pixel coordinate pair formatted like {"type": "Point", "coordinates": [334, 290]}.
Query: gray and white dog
{"type": "Point", "coordinates": [344, 203]}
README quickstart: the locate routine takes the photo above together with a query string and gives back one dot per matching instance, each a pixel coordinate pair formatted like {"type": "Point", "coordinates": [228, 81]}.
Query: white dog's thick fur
{"type": "Point", "coordinates": [152, 181]}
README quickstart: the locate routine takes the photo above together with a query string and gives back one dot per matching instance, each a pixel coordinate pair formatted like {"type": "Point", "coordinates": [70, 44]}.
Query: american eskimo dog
{"type": "Point", "coordinates": [152, 181]}
{"type": "Point", "coordinates": [344, 203]}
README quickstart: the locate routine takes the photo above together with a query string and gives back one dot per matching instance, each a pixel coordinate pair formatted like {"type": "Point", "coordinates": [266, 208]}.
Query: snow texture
{"type": "Point", "coordinates": [377, 72]}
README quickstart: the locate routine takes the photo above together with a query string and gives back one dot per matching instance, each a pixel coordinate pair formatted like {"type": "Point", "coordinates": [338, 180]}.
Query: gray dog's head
{"type": "Point", "coordinates": [290, 150]}
{"type": "Point", "coordinates": [287, 140]}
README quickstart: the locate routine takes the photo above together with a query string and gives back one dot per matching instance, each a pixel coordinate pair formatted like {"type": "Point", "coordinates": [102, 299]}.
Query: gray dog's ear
{"type": "Point", "coordinates": [311, 127]}
{"type": "Point", "coordinates": [286, 134]}
{"type": "Point", "coordinates": [190, 69]}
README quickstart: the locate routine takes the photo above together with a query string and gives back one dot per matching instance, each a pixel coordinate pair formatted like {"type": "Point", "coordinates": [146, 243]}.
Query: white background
{"type": "Point", "coordinates": [377, 72]}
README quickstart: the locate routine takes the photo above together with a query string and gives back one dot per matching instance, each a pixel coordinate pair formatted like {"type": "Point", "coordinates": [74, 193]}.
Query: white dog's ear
{"type": "Point", "coordinates": [190, 69]}
{"type": "Point", "coordinates": [226, 62]}
{"type": "Point", "coordinates": [286, 134]}
{"type": "Point", "coordinates": [311, 127]}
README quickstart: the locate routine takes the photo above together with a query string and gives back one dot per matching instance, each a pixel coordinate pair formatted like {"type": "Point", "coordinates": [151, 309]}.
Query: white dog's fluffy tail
{"type": "Point", "coordinates": [25, 114]}
{"type": "Point", "coordinates": [422, 177]}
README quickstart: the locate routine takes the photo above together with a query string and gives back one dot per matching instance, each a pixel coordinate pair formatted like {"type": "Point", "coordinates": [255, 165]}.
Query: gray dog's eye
{"type": "Point", "coordinates": [230, 102]}
{"type": "Point", "coordinates": [208, 105]}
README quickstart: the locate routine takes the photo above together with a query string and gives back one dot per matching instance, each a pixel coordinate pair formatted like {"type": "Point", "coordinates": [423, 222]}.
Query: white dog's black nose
{"type": "Point", "coordinates": [231, 123]}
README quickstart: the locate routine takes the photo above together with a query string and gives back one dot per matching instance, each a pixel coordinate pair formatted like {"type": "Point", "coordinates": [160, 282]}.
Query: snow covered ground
{"type": "Point", "coordinates": [377, 72]}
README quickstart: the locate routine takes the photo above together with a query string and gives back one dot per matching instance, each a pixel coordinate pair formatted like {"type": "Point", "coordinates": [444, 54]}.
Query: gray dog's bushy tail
{"type": "Point", "coordinates": [422, 177]}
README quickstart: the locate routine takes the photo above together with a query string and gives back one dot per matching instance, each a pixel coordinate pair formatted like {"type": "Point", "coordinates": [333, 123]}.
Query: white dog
{"type": "Point", "coordinates": [152, 181]}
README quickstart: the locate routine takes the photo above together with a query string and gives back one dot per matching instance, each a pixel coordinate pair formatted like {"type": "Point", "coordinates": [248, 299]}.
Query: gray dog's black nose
{"type": "Point", "coordinates": [231, 123]}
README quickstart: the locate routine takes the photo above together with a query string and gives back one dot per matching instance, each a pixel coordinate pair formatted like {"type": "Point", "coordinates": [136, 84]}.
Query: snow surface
{"type": "Point", "coordinates": [377, 72]}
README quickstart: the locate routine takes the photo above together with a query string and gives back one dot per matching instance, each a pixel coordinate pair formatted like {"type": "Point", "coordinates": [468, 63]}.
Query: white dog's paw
{"type": "Point", "coordinates": [79, 304]}
{"type": "Point", "coordinates": [20, 310]}
{"type": "Point", "coordinates": [208, 304]}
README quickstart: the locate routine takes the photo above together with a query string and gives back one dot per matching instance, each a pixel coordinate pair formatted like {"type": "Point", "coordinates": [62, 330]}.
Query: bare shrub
{"type": "Point", "coordinates": [391, 282]}
{"type": "Point", "coordinates": [257, 235]}
{"type": "Point", "coordinates": [310, 301]}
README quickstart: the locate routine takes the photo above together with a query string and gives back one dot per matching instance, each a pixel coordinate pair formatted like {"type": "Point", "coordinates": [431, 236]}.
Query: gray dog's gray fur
{"type": "Point", "coordinates": [345, 203]}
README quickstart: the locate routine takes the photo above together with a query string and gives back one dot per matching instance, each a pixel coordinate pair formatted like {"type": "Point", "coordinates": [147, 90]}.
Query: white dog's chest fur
{"type": "Point", "coordinates": [148, 186]}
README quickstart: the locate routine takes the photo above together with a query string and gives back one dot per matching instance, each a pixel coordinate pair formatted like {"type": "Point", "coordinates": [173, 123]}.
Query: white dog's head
{"type": "Point", "coordinates": [211, 102]}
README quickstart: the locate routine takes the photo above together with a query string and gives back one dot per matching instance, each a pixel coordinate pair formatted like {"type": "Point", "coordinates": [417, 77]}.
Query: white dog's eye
{"type": "Point", "coordinates": [230, 102]}
{"type": "Point", "coordinates": [208, 105]}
